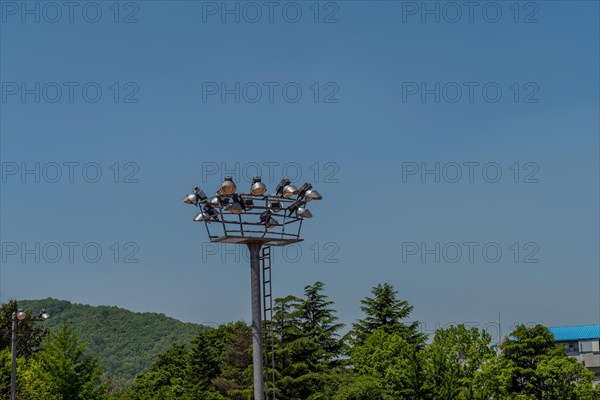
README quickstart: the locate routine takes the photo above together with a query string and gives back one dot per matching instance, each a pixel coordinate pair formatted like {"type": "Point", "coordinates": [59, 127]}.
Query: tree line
{"type": "Point", "coordinates": [382, 357]}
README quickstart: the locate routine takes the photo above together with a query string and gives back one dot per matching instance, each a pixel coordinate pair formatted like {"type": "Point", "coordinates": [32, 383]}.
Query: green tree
{"type": "Point", "coordinates": [492, 380]}
{"type": "Point", "coordinates": [307, 344]}
{"type": "Point", "coordinates": [32, 382]}
{"type": "Point", "coordinates": [385, 311]}
{"type": "Point", "coordinates": [532, 366]}
{"type": "Point", "coordinates": [217, 366]}
{"type": "Point", "coordinates": [456, 354]}
{"type": "Point", "coordinates": [166, 378]}
{"type": "Point", "coordinates": [286, 331]}
{"type": "Point", "coordinates": [400, 365]}
{"type": "Point", "coordinates": [318, 322]}
{"type": "Point", "coordinates": [31, 379]}
{"type": "Point", "coordinates": [204, 360]}
{"type": "Point", "coordinates": [564, 378]}
{"type": "Point", "coordinates": [69, 371]}
{"type": "Point", "coordinates": [525, 349]}
{"type": "Point", "coordinates": [286, 319]}
{"type": "Point", "coordinates": [362, 388]}
{"type": "Point", "coordinates": [5, 369]}
{"type": "Point", "coordinates": [235, 362]}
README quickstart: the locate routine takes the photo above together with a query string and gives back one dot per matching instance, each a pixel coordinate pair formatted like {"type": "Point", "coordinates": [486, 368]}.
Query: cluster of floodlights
{"type": "Point", "coordinates": [42, 316]}
{"type": "Point", "coordinates": [227, 200]}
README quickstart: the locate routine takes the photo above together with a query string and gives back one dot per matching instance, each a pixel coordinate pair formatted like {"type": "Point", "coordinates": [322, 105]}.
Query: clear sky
{"type": "Point", "coordinates": [456, 145]}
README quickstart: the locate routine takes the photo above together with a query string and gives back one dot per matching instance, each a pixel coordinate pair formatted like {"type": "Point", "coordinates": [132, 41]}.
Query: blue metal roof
{"type": "Point", "coordinates": [566, 333]}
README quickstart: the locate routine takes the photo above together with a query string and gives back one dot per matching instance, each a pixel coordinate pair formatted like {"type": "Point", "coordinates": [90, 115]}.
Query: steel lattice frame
{"type": "Point", "coordinates": [246, 227]}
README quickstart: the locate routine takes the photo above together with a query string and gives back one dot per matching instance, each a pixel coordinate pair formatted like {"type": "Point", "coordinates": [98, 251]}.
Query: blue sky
{"type": "Point", "coordinates": [365, 100]}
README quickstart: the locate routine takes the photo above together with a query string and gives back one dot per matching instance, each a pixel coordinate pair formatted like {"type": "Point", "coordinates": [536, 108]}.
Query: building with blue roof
{"type": "Point", "coordinates": [581, 342]}
{"type": "Point", "coordinates": [582, 332]}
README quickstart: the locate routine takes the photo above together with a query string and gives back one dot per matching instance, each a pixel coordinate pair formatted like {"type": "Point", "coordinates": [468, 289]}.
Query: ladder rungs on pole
{"type": "Point", "coordinates": [269, 355]}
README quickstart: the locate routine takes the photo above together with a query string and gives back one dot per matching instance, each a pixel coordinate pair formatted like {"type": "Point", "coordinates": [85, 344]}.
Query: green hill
{"type": "Point", "coordinates": [127, 342]}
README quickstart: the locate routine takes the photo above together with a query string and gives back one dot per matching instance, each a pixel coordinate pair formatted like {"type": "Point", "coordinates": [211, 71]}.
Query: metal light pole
{"type": "Point", "coordinates": [253, 219]}
{"type": "Point", "coordinates": [19, 316]}
{"type": "Point", "coordinates": [13, 347]}
{"type": "Point", "coordinates": [257, 351]}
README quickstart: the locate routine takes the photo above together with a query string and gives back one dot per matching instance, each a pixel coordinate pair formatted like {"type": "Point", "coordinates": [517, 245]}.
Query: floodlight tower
{"type": "Point", "coordinates": [259, 221]}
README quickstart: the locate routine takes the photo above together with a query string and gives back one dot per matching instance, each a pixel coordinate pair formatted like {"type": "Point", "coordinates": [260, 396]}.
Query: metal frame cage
{"type": "Point", "coordinates": [254, 217]}
{"type": "Point", "coordinates": [247, 226]}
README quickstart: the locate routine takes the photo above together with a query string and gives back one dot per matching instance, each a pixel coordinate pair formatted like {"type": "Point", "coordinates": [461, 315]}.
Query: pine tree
{"type": "Point", "coordinates": [385, 311]}
{"type": "Point", "coordinates": [307, 343]}
{"type": "Point", "coordinates": [235, 378]}
{"type": "Point", "coordinates": [318, 322]}
{"type": "Point", "coordinates": [286, 322]}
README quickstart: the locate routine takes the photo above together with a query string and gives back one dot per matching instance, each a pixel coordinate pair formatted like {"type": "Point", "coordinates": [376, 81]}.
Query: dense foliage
{"type": "Point", "coordinates": [32, 334]}
{"type": "Point", "coordinates": [126, 342]}
{"type": "Point", "coordinates": [382, 358]}
{"type": "Point", "coordinates": [62, 369]}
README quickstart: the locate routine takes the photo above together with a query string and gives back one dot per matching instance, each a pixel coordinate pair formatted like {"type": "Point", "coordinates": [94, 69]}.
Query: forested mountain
{"type": "Point", "coordinates": [126, 342]}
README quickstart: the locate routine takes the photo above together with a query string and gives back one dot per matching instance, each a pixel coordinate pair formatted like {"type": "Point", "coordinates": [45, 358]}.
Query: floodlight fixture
{"type": "Point", "coordinates": [211, 212]}
{"type": "Point", "coordinates": [44, 315]}
{"type": "Point", "coordinates": [303, 212]}
{"type": "Point", "coordinates": [235, 208]}
{"type": "Point", "coordinates": [275, 205]}
{"type": "Point", "coordinates": [207, 215]}
{"type": "Point", "coordinates": [268, 220]}
{"type": "Point", "coordinates": [228, 186]}
{"type": "Point", "coordinates": [21, 315]}
{"type": "Point", "coordinates": [190, 199]}
{"type": "Point", "coordinates": [257, 188]}
{"type": "Point", "coordinates": [201, 217]}
{"type": "Point", "coordinates": [198, 196]}
{"type": "Point", "coordinates": [294, 206]}
{"type": "Point", "coordinates": [281, 185]}
{"type": "Point", "coordinates": [247, 203]}
{"type": "Point", "coordinates": [289, 191]}
{"type": "Point", "coordinates": [214, 202]}
{"type": "Point", "coordinates": [303, 189]}
{"type": "Point", "coordinates": [312, 194]}
{"type": "Point", "coordinates": [218, 201]}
